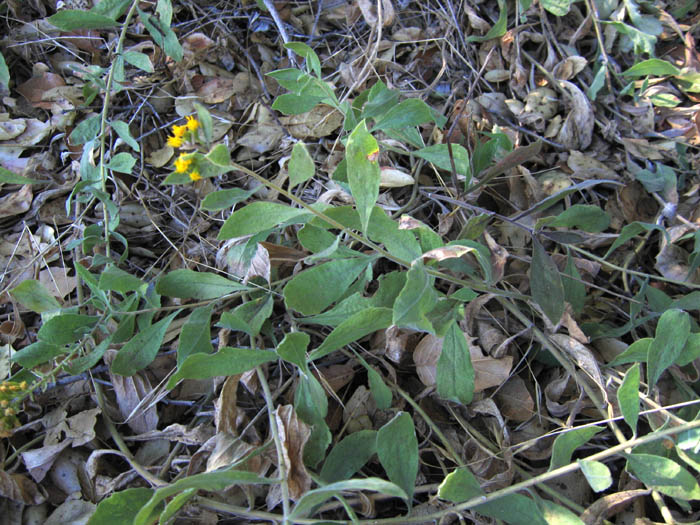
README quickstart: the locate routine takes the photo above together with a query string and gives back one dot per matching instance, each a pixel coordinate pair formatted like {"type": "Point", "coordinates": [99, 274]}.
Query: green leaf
{"type": "Point", "coordinates": [292, 104]}
{"type": "Point", "coordinates": [415, 300]}
{"type": "Point", "coordinates": [122, 163]}
{"type": "Point", "coordinates": [455, 373]}
{"type": "Point", "coordinates": [545, 283]}
{"type": "Point", "coordinates": [4, 72]}
{"type": "Point", "coordinates": [8, 177]}
{"type": "Point", "coordinates": [142, 349]}
{"type": "Point", "coordinates": [175, 504]}
{"type": "Point", "coordinates": [195, 336]}
{"type": "Point", "coordinates": [87, 361]}
{"type": "Point", "coordinates": [586, 217]}
{"type": "Point", "coordinates": [226, 362]}
{"type": "Point", "coordinates": [329, 282]}
{"type": "Point", "coordinates": [220, 154]}
{"type": "Point", "coordinates": [664, 475]}
{"type": "Point", "coordinates": [257, 217]}
{"type": "Point", "coordinates": [643, 42]}
{"type": "Point", "coordinates": [32, 294]}
{"type": "Point", "coordinates": [159, 29]}
{"type": "Point", "coordinates": [301, 165]}
{"type": "Point", "coordinates": [73, 20]}
{"type": "Point", "coordinates": [340, 312]}
{"type": "Point", "coordinates": [86, 130]}
{"type": "Point", "coordinates": [64, 329]}
{"type": "Point", "coordinates": [353, 328]}
{"type": "Point", "coordinates": [139, 60]}
{"type": "Point", "coordinates": [188, 284]}
{"type": "Point", "coordinates": [565, 444]}
{"type": "Point", "coordinates": [224, 199]}
{"type": "Point", "coordinates": [310, 401]}
{"type": "Point", "coordinates": [349, 456]}
{"type": "Point", "coordinates": [121, 507]}
{"type": "Point", "coordinates": [380, 392]}
{"type": "Point", "coordinates": [315, 497]}
{"type": "Point", "coordinates": [557, 7]}
{"type": "Point", "coordinates": [117, 280]}
{"type": "Point", "coordinates": [293, 349]}
{"type": "Point", "coordinates": [498, 29]}
{"type": "Point", "coordinates": [628, 397]}
{"type": "Point", "coordinates": [111, 8]}
{"type": "Point", "coordinates": [397, 448]}
{"type": "Point", "coordinates": [249, 316]}
{"type": "Point", "coordinates": [309, 54]}
{"type": "Point", "coordinates": [122, 129]}
{"type": "Point", "coordinates": [410, 112]}
{"type": "Point", "coordinates": [217, 480]}
{"type": "Point", "coordinates": [574, 289]}
{"type": "Point", "coordinates": [37, 354]}
{"type": "Point", "coordinates": [363, 171]}
{"type": "Point", "coordinates": [672, 332]}
{"type": "Point", "coordinates": [439, 155]}
{"type": "Point", "coordinates": [597, 474]}
{"type": "Point", "coordinates": [557, 514]}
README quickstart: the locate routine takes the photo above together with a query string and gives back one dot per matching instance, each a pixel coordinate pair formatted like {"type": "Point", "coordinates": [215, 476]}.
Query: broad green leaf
{"type": "Point", "coordinates": [691, 350]}
{"type": "Point", "coordinates": [86, 130]}
{"type": "Point", "coordinates": [86, 362]}
{"type": "Point", "coordinates": [8, 177]}
{"type": "Point", "coordinates": [410, 112]}
{"type": "Point", "coordinates": [672, 332]}
{"type": "Point", "coordinates": [349, 456]}
{"type": "Point", "coordinates": [363, 171]}
{"type": "Point", "coordinates": [565, 444]}
{"type": "Point", "coordinates": [415, 300]}
{"type": "Point", "coordinates": [226, 362]}
{"type": "Point", "coordinates": [380, 392]}
{"type": "Point", "coordinates": [301, 165]}
{"type": "Point", "coordinates": [353, 328]}
{"type": "Point", "coordinates": [175, 504]}
{"type": "Point", "coordinates": [315, 448]}
{"type": "Point", "coordinates": [293, 349]}
{"type": "Point", "coordinates": [32, 294]}
{"type": "Point", "coordinates": [4, 72]}
{"type": "Point", "coordinates": [637, 352]}
{"type": "Point", "coordinates": [664, 475]}
{"type": "Point", "coordinates": [142, 349]}
{"type": "Point", "coordinates": [597, 474]}
{"type": "Point", "coordinates": [397, 448]}
{"type": "Point", "coordinates": [645, 23]}
{"type": "Point", "coordinates": [455, 373]}
{"type": "Point", "coordinates": [122, 129]}
{"type": "Point", "coordinates": [556, 514]}
{"type": "Point", "coordinates": [195, 336]}
{"type": "Point", "coordinates": [224, 199]}
{"type": "Point", "coordinates": [219, 154]}
{"type": "Point", "coordinates": [439, 155]}
{"type": "Point", "coordinates": [339, 313]}
{"type": "Point", "coordinates": [115, 279]}
{"type": "Point", "coordinates": [643, 42]}
{"type": "Point", "coordinates": [37, 354]}
{"type": "Point", "coordinates": [460, 485]}
{"type": "Point", "coordinates": [464, 295]}
{"type": "Point", "coordinates": [217, 480]}
{"type": "Point", "coordinates": [122, 507]}
{"type": "Point", "coordinates": [498, 29]}
{"type": "Point", "coordinates": [310, 401]}
{"type": "Point", "coordinates": [293, 104]}
{"type": "Point", "coordinates": [139, 60]}
{"type": "Point", "coordinates": [111, 8]}
{"type": "Point", "coordinates": [557, 7]}
{"type": "Point", "coordinates": [586, 217]}
{"type": "Point", "coordinates": [315, 289]}
{"type": "Point", "coordinates": [257, 217]}
{"type": "Point", "coordinates": [64, 329]}
{"type": "Point", "coordinates": [545, 283]}
{"type": "Point", "coordinates": [122, 163]}
{"type": "Point", "coordinates": [315, 497]}
{"type": "Point", "coordinates": [188, 284]}
{"type": "Point", "coordinates": [73, 20]}
{"type": "Point", "coordinates": [628, 397]}
{"type": "Point", "coordinates": [309, 54]}
{"type": "Point", "coordinates": [159, 29]}
{"type": "Point", "coordinates": [574, 289]}
{"type": "Point", "coordinates": [249, 316]}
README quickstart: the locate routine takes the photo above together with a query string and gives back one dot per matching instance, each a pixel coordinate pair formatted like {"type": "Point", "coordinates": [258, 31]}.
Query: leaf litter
{"type": "Point", "coordinates": [533, 109]}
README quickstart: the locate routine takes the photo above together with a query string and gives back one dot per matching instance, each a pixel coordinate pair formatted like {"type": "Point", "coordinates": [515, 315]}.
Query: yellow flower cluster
{"type": "Point", "coordinates": [9, 391]}
{"type": "Point", "coordinates": [180, 135]}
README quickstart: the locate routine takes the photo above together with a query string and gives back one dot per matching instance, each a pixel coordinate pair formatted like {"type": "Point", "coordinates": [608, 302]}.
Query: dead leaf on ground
{"type": "Point", "coordinates": [320, 122]}
{"type": "Point", "coordinates": [19, 488]}
{"type": "Point", "coordinates": [577, 130]}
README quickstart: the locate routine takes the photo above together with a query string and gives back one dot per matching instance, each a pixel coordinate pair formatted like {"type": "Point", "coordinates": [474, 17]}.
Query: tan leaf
{"type": "Point", "coordinates": [35, 88]}
{"type": "Point", "coordinates": [515, 400]}
{"type": "Point", "coordinates": [38, 461]}
{"type": "Point", "coordinates": [394, 178]}
{"type": "Point", "coordinates": [74, 511]}
{"type": "Point", "coordinates": [569, 67]}
{"type": "Point", "coordinates": [321, 121]}
{"type": "Point", "coordinates": [263, 137]}
{"type": "Point", "coordinates": [216, 90]}
{"type": "Point", "coordinates": [588, 167]}
{"type": "Point", "coordinates": [160, 157]}
{"type": "Point", "coordinates": [370, 14]}
{"type": "Point", "coordinates": [130, 392]}
{"type": "Point", "coordinates": [446, 252]}
{"type": "Point", "coordinates": [259, 265]}
{"type": "Point", "coordinates": [497, 75]}
{"type": "Point", "coordinates": [610, 505]}
{"type": "Point", "coordinates": [584, 359]}
{"type": "Point", "coordinates": [407, 34]}
{"type": "Point", "coordinates": [179, 433]}
{"type": "Point", "coordinates": [57, 282]}
{"type": "Point", "coordinates": [225, 407]}
{"type": "Point", "coordinates": [294, 434]}
{"type": "Point", "coordinates": [19, 488]}
{"type": "Point", "coordinates": [17, 202]}
{"type": "Point", "coordinates": [577, 130]}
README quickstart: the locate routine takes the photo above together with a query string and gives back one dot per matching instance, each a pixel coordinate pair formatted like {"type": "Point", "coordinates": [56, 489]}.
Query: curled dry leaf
{"type": "Point", "coordinates": [371, 14]}
{"type": "Point", "coordinates": [446, 252]}
{"type": "Point", "coordinates": [577, 130]}
{"type": "Point", "coordinates": [130, 392]}
{"type": "Point", "coordinates": [226, 408]}
{"type": "Point", "coordinates": [19, 488]}
{"type": "Point", "coordinates": [293, 434]}
{"type": "Point", "coordinates": [584, 359]}
{"type": "Point", "coordinates": [515, 401]}
{"type": "Point", "coordinates": [569, 67]}
{"type": "Point", "coordinates": [610, 505]}
{"type": "Point", "coordinates": [394, 178]}
{"type": "Point", "coordinates": [488, 372]}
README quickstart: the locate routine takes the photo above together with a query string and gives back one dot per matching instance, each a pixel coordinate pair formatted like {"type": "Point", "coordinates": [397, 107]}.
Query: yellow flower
{"type": "Point", "coordinates": [194, 175]}
{"type": "Point", "coordinates": [192, 123]}
{"type": "Point", "coordinates": [181, 164]}
{"type": "Point", "coordinates": [175, 142]}
{"type": "Point", "coordinates": [179, 131]}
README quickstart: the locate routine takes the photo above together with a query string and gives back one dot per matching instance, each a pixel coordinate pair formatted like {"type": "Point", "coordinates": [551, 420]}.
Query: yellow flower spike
{"type": "Point", "coordinates": [174, 142]}
{"type": "Point", "coordinates": [179, 131]}
{"type": "Point", "coordinates": [23, 385]}
{"type": "Point", "coordinates": [192, 123]}
{"type": "Point", "coordinates": [194, 175]}
{"type": "Point", "coordinates": [181, 164]}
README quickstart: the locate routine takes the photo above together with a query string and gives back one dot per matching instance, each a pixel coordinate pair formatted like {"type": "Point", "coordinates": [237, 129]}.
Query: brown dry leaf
{"type": "Point", "coordinates": [320, 122]}
{"type": "Point", "coordinates": [394, 178]}
{"type": "Point", "coordinates": [577, 130]}
{"type": "Point", "coordinates": [19, 488]}
{"type": "Point", "coordinates": [370, 14]}
{"type": "Point", "coordinates": [607, 506]}
{"type": "Point", "coordinates": [515, 401]}
{"type": "Point", "coordinates": [488, 372]}
{"type": "Point", "coordinates": [216, 90]}
{"type": "Point", "coordinates": [225, 407]}
{"type": "Point", "coordinates": [561, 396]}
{"type": "Point", "coordinates": [359, 409]}
{"type": "Point", "coordinates": [642, 148]}
{"type": "Point", "coordinates": [262, 138]}
{"type": "Point", "coordinates": [259, 265]}
{"type": "Point", "coordinates": [57, 282]}
{"type": "Point", "coordinates": [180, 434]}
{"type": "Point", "coordinates": [38, 461]}
{"type": "Point", "coordinates": [35, 88]}
{"type": "Point", "coordinates": [635, 203]}
{"type": "Point", "coordinates": [17, 202]}
{"type": "Point", "coordinates": [293, 434]}
{"type": "Point", "coordinates": [584, 359]}
{"type": "Point", "coordinates": [569, 67]}
{"type": "Point", "coordinates": [130, 392]}
{"type": "Point", "coordinates": [407, 34]}
{"type": "Point", "coordinates": [160, 157]}
{"type": "Point", "coordinates": [446, 252]}
{"type": "Point", "coordinates": [74, 511]}
{"type": "Point", "coordinates": [195, 44]}
{"type": "Point", "coordinates": [588, 167]}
